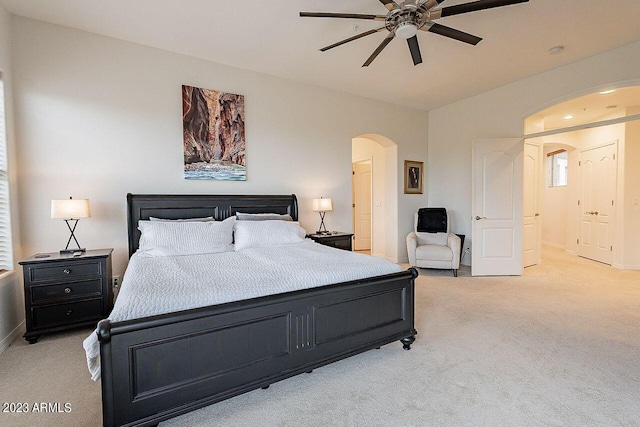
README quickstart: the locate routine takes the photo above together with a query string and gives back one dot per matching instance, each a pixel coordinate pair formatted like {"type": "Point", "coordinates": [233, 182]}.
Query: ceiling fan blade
{"type": "Point", "coordinates": [429, 4]}
{"type": "Point", "coordinates": [376, 52]}
{"type": "Point", "coordinates": [452, 33]}
{"type": "Point", "coordinates": [414, 48]}
{"type": "Point", "coordinates": [390, 4]}
{"type": "Point", "coordinates": [342, 15]}
{"type": "Point", "coordinates": [475, 6]}
{"type": "Point", "coordinates": [350, 39]}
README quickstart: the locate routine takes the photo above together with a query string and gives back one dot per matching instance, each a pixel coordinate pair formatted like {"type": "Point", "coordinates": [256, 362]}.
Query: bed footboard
{"type": "Point", "coordinates": [163, 366]}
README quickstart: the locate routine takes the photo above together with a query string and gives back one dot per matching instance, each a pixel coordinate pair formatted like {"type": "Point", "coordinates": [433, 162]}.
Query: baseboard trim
{"type": "Point", "coordinates": [554, 245]}
{"type": "Point", "coordinates": [6, 341]}
{"type": "Point", "coordinates": [625, 267]}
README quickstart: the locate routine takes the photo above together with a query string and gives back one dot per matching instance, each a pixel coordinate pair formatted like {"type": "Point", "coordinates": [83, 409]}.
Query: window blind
{"type": "Point", "coordinates": [6, 247]}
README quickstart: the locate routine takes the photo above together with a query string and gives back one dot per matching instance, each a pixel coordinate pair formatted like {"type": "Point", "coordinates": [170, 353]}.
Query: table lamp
{"type": "Point", "coordinates": [322, 206]}
{"type": "Point", "coordinates": [71, 210]}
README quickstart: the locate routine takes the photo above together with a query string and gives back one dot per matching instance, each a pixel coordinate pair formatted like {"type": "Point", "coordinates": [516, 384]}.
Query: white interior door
{"type": "Point", "coordinates": [362, 205]}
{"type": "Point", "coordinates": [532, 227]}
{"type": "Point", "coordinates": [596, 204]}
{"type": "Point", "coordinates": [497, 207]}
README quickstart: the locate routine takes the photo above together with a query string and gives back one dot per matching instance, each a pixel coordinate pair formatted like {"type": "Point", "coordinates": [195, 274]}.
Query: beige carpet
{"type": "Point", "coordinates": [559, 346]}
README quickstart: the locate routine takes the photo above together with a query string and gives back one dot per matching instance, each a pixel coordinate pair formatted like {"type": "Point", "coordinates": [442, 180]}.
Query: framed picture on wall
{"type": "Point", "coordinates": [213, 134]}
{"type": "Point", "coordinates": [413, 177]}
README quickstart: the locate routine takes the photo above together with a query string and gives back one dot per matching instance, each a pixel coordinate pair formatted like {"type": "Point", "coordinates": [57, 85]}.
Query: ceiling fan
{"type": "Point", "coordinates": [405, 19]}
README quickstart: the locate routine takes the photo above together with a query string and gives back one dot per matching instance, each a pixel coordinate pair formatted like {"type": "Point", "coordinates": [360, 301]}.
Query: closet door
{"type": "Point", "coordinates": [598, 168]}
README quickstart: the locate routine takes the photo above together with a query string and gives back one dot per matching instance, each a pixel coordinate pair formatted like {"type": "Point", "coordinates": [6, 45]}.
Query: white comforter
{"type": "Point", "coordinates": [157, 285]}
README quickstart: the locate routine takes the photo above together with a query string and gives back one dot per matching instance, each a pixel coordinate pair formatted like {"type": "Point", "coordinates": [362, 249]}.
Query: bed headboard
{"type": "Point", "coordinates": [170, 206]}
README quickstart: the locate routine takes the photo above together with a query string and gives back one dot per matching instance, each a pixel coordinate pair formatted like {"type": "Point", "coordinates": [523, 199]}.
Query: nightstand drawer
{"type": "Point", "coordinates": [76, 269]}
{"type": "Point", "coordinates": [68, 290]}
{"type": "Point", "coordinates": [339, 242]}
{"type": "Point", "coordinates": [66, 313]}
{"type": "Point", "coordinates": [335, 239]}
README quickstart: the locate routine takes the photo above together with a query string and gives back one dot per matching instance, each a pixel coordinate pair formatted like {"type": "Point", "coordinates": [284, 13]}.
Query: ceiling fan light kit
{"type": "Point", "coordinates": [404, 20]}
{"type": "Point", "coordinates": [406, 28]}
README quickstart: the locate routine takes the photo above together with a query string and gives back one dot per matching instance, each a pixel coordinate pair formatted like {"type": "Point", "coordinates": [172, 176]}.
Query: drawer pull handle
{"type": "Point", "coordinates": [67, 290]}
{"type": "Point", "coordinates": [69, 312]}
{"type": "Point", "coordinates": [66, 271]}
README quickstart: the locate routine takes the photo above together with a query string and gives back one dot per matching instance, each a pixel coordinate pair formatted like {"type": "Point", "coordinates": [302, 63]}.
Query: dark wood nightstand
{"type": "Point", "coordinates": [62, 291]}
{"type": "Point", "coordinates": [336, 239]}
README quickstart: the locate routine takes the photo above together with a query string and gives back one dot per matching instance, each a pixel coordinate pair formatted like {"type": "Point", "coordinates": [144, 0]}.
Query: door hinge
{"type": "Point", "coordinates": [353, 172]}
{"type": "Point", "coordinates": [579, 163]}
{"type": "Point", "coordinates": [611, 248]}
{"type": "Point", "coordinates": [614, 157]}
{"type": "Point", "coordinates": [578, 202]}
{"type": "Point", "coordinates": [578, 241]}
{"type": "Point", "coordinates": [612, 203]}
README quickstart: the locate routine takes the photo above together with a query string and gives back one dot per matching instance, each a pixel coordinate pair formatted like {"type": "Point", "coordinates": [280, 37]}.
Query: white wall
{"type": "Point", "coordinates": [631, 203]}
{"type": "Point", "coordinates": [500, 113]}
{"type": "Point", "coordinates": [97, 118]}
{"type": "Point", "coordinates": [554, 208]}
{"type": "Point", "coordinates": [11, 298]}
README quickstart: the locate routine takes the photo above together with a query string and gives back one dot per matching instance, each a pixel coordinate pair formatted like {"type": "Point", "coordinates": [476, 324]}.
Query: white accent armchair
{"type": "Point", "coordinates": [434, 250]}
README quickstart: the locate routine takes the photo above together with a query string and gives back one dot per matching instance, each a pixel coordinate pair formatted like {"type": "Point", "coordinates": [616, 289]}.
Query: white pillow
{"type": "Point", "coordinates": [262, 217]}
{"type": "Point", "coordinates": [160, 238]}
{"type": "Point", "coordinates": [255, 234]}
{"type": "Point", "coordinates": [205, 219]}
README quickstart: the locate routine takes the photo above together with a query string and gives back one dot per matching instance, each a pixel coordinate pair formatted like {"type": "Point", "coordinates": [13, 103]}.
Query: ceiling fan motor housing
{"type": "Point", "coordinates": [405, 22]}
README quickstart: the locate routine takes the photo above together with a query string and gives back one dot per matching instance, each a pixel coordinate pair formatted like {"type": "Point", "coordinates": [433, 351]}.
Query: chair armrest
{"type": "Point", "coordinates": [412, 244]}
{"type": "Point", "coordinates": [454, 243]}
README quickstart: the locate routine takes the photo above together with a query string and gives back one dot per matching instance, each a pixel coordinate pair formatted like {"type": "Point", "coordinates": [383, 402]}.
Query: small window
{"type": "Point", "coordinates": [557, 165]}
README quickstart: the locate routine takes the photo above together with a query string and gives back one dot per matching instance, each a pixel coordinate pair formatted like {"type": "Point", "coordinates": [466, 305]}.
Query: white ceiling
{"type": "Point", "coordinates": [270, 37]}
{"type": "Point", "coordinates": [589, 108]}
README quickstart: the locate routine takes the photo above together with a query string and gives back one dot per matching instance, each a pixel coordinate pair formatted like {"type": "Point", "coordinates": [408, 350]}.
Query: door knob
{"type": "Point", "coordinates": [478, 218]}
{"type": "Point", "coordinates": [537, 214]}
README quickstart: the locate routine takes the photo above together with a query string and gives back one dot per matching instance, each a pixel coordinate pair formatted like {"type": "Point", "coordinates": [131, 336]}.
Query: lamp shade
{"type": "Point", "coordinates": [70, 209]}
{"type": "Point", "coordinates": [322, 205]}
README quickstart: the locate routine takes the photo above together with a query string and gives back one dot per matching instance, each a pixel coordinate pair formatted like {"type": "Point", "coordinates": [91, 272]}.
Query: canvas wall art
{"type": "Point", "coordinates": [213, 134]}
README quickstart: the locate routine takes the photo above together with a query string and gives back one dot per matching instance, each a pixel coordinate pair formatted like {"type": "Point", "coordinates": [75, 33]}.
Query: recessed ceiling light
{"type": "Point", "coordinates": [556, 50]}
{"type": "Point", "coordinates": [568, 117]}
{"type": "Point", "coordinates": [606, 92]}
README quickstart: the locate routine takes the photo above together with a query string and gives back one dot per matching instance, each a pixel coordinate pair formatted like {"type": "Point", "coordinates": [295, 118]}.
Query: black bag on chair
{"type": "Point", "coordinates": [432, 220]}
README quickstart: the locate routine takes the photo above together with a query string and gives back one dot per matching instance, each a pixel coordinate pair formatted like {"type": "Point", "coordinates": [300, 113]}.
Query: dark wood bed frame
{"type": "Point", "coordinates": [162, 366]}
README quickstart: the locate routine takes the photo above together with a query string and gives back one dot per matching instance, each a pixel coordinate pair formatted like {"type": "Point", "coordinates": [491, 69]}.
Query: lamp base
{"type": "Point", "coordinates": [71, 251]}
{"type": "Point", "coordinates": [323, 232]}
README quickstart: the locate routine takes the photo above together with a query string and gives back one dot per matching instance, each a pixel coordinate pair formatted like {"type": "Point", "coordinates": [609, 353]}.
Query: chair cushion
{"type": "Point", "coordinates": [432, 238]}
{"type": "Point", "coordinates": [434, 252]}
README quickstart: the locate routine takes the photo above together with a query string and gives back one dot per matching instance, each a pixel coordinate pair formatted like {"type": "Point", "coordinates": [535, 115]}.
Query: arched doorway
{"type": "Point", "coordinates": [577, 215]}
{"type": "Point", "coordinates": [376, 223]}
